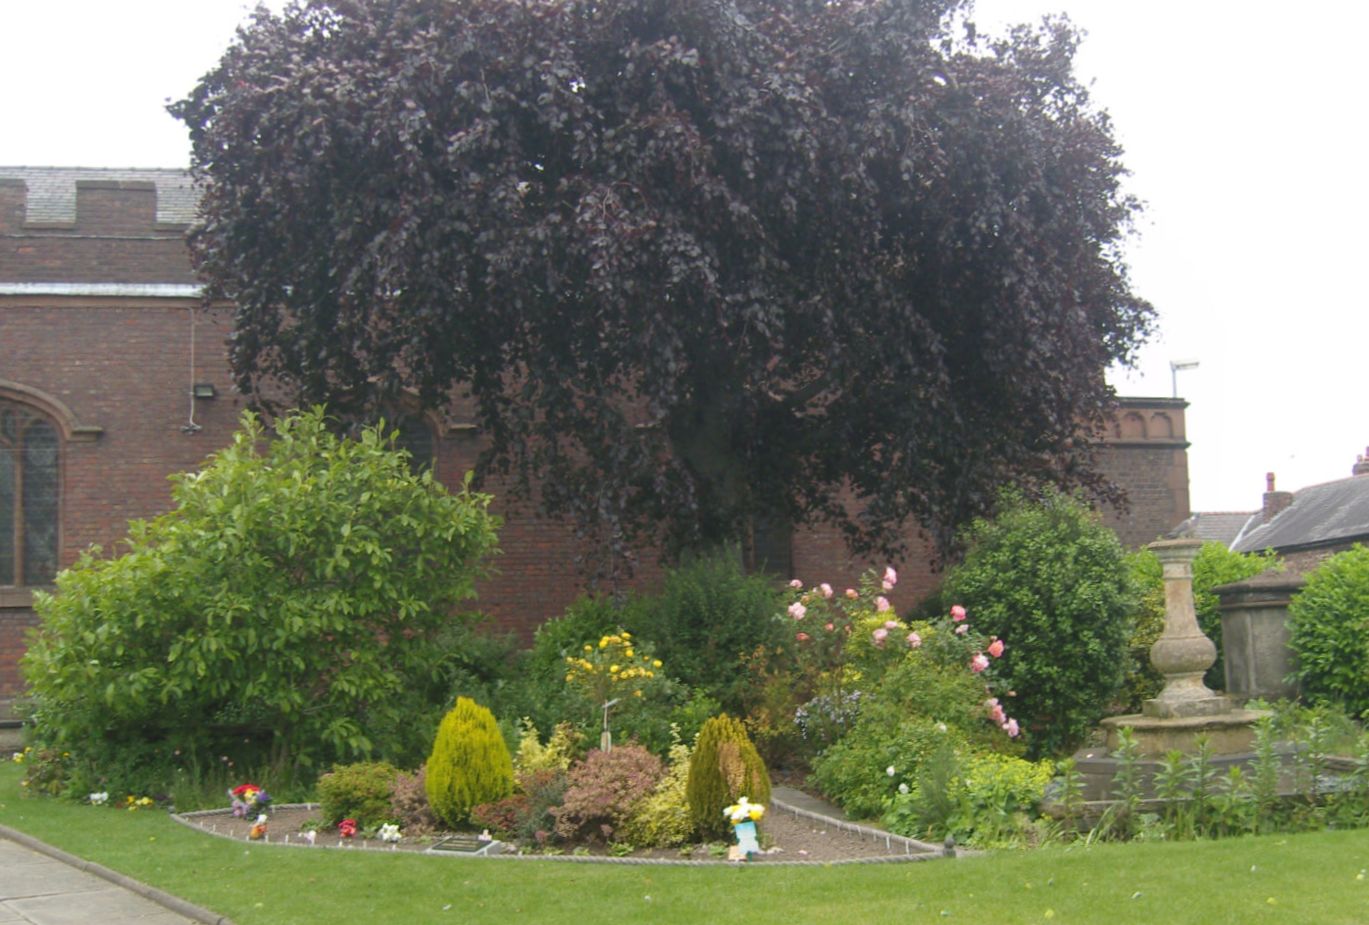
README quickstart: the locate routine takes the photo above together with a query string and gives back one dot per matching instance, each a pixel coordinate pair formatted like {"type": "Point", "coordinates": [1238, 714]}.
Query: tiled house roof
{"type": "Point", "coordinates": [1223, 527]}
{"type": "Point", "coordinates": [1333, 513]}
{"type": "Point", "coordinates": [52, 191]}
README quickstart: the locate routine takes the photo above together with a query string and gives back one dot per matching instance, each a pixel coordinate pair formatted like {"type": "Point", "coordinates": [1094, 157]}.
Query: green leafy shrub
{"type": "Point", "coordinates": [708, 617]}
{"type": "Point", "coordinates": [409, 804]}
{"type": "Point", "coordinates": [725, 765]}
{"type": "Point", "coordinates": [557, 753]}
{"type": "Point", "coordinates": [469, 765]}
{"type": "Point", "coordinates": [1215, 565]}
{"type": "Point", "coordinates": [662, 820]}
{"type": "Point", "coordinates": [1052, 581]}
{"type": "Point", "coordinates": [603, 790]}
{"type": "Point", "coordinates": [361, 791]}
{"type": "Point", "coordinates": [283, 613]}
{"type": "Point", "coordinates": [1328, 625]}
{"type": "Point", "coordinates": [926, 702]}
{"type": "Point", "coordinates": [981, 798]}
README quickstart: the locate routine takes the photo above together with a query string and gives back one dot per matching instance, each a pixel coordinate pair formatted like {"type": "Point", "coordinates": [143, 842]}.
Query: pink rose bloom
{"type": "Point", "coordinates": [996, 711]}
{"type": "Point", "coordinates": [890, 576]}
{"type": "Point", "coordinates": [829, 627]}
{"type": "Point", "coordinates": [826, 589]}
{"type": "Point", "coordinates": [797, 610]}
{"type": "Point", "coordinates": [914, 640]}
{"type": "Point", "coordinates": [801, 637]}
{"type": "Point", "coordinates": [852, 593]}
{"type": "Point", "coordinates": [979, 662]}
{"type": "Point", "coordinates": [1011, 728]}
{"type": "Point", "coordinates": [881, 634]}
{"type": "Point", "coordinates": [796, 584]}
{"type": "Point", "coordinates": [881, 604]}
{"type": "Point", "coordinates": [996, 648]}
{"type": "Point", "coordinates": [891, 624]}
{"type": "Point", "coordinates": [957, 613]}
{"type": "Point", "coordinates": [961, 630]}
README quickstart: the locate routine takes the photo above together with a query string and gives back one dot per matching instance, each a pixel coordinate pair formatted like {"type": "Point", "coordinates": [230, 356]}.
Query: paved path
{"type": "Point", "coordinates": [40, 889]}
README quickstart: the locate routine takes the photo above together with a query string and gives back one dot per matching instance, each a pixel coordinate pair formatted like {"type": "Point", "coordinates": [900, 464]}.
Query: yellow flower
{"type": "Point", "coordinates": [603, 643]}
{"type": "Point", "coordinates": [613, 669]}
{"type": "Point", "coordinates": [570, 677]}
{"type": "Point", "coordinates": [656, 663]}
{"type": "Point", "coordinates": [589, 648]}
{"type": "Point", "coordinates": [636, 693]}
{"type": "Point", "coordinates": [628, 652]}
{"type": "Point", "coordinates": [627, 635]}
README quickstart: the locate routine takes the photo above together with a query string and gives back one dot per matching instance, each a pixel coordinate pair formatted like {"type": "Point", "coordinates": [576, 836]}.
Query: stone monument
{"type": "Point", "coordinates": [1185, 709]}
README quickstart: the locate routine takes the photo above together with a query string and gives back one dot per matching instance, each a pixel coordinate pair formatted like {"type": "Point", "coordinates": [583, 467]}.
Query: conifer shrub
{"type": "Point", "coordinates": [360, 791]}
{"type": "Point", "coordinates": [724, 767]}
{"type": "Point", "coordinates": [469, 765]}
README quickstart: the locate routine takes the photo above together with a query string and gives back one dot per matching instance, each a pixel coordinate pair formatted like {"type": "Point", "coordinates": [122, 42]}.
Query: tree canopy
{"type": "Point", "coordinates": [691, 262]}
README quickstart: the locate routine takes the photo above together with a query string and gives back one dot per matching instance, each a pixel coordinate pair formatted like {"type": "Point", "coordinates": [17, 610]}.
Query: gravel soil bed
{"type": "Point", "coordinates": [789, 838]}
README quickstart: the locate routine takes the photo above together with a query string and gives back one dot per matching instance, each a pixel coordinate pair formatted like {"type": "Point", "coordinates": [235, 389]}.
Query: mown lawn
{"type": "Point", "coordinates": [1318, 877]}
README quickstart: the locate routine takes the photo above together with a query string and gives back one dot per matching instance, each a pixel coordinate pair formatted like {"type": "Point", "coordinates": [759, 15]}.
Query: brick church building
{"type": "Point", "coordinates": [112, 377]}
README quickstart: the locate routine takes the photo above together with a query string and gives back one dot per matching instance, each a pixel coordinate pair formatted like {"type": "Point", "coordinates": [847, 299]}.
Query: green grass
{"type": "Point", "coordinates": [1291, 878]}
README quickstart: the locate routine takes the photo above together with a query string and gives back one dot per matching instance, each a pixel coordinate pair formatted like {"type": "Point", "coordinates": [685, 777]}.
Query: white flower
{"type": "Point", "coordinates": [99, 799]}
{"type": "Point", "coordinates": [389, 833]}
{"type": "Point", "coordinates": [902, 788]}
{"type": "Point", "coordinates": [890, 770]}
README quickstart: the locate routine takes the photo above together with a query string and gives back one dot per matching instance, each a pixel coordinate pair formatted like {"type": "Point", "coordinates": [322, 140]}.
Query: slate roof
{"type": "Point", "coordinates": [1320, 515]}
{"type": "Point", "coordinates": [1220, 526]}
{"type": "Point", "coordinates": [52, 190]}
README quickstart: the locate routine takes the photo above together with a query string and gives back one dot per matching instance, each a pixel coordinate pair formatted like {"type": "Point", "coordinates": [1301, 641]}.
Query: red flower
{"type": "Point", "coordinates": [347, 828]}
{"type": "Point", "coordinates": [239, 790]}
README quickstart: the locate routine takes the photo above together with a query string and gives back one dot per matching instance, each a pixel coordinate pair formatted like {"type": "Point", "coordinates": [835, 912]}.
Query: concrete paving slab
{"type": "Point", "coordinates": [109, 906]}
{"type": "Point", "coordinates": [39, 889]}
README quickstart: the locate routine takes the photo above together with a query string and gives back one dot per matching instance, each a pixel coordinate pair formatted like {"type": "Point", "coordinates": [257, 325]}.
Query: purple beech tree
{"type": "Point", "coordinates": [692, 262]}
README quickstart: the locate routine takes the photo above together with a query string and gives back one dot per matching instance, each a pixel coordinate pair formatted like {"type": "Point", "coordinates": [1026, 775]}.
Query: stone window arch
{"type": "Point", "coordinates": [30, 495]}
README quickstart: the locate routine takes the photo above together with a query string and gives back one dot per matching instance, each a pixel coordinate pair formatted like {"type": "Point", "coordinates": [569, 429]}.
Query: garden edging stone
{"type": "Point", "coordinates": [911, 848]}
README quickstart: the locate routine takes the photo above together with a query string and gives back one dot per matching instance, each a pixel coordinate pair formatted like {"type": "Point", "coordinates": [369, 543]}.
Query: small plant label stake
{"type": "Point", "coordinates": [743, 815]}
{"type": "Point", "coordinates": [606, 737]}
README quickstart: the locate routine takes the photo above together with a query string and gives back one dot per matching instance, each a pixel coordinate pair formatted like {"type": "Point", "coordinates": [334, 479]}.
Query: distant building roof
{"type": "Point", "coordinates": [52, 190]}
{"type": "Point", "coordinates": [1219, 526]}
{"type": "Point", "coordinates": [1320, 515]}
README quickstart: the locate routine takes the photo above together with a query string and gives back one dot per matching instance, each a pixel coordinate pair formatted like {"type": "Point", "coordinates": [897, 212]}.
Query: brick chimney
{"type": "Point", "coordinates": [1274, 501]}
{"type": "Point", "coordinates": [1361, 466]}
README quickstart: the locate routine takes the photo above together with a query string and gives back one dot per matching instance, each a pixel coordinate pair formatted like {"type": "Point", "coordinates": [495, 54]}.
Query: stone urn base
{"type": "Point", "coordinates": [1228, 733]}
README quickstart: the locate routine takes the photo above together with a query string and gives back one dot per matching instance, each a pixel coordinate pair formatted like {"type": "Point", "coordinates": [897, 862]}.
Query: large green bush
{"type": "Point", "coordinates": [470, 763]}
{"type": "Point", "coordinates": [1051, 581]}
{"type": "Point", "coordinates": [361, 791]}
{"type": "Point", "coordinates": [283, 612]}
{"type": "Point", "coordinates": [1328, 629]}
{"type": "Point", "coordinates": [708, 617]}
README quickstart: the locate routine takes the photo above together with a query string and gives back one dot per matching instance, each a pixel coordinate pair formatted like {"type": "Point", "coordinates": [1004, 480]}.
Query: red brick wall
{"type": "Point", "coordinates": [123, 364]}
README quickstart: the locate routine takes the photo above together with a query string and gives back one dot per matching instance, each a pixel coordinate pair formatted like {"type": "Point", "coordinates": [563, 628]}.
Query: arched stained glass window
{"type": "Point", "coordinates": [29, 491]}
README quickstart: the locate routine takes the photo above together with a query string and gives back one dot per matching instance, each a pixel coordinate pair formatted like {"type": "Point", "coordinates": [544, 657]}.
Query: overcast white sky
{"type": "Point", "coordinates": [1245, 131]}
